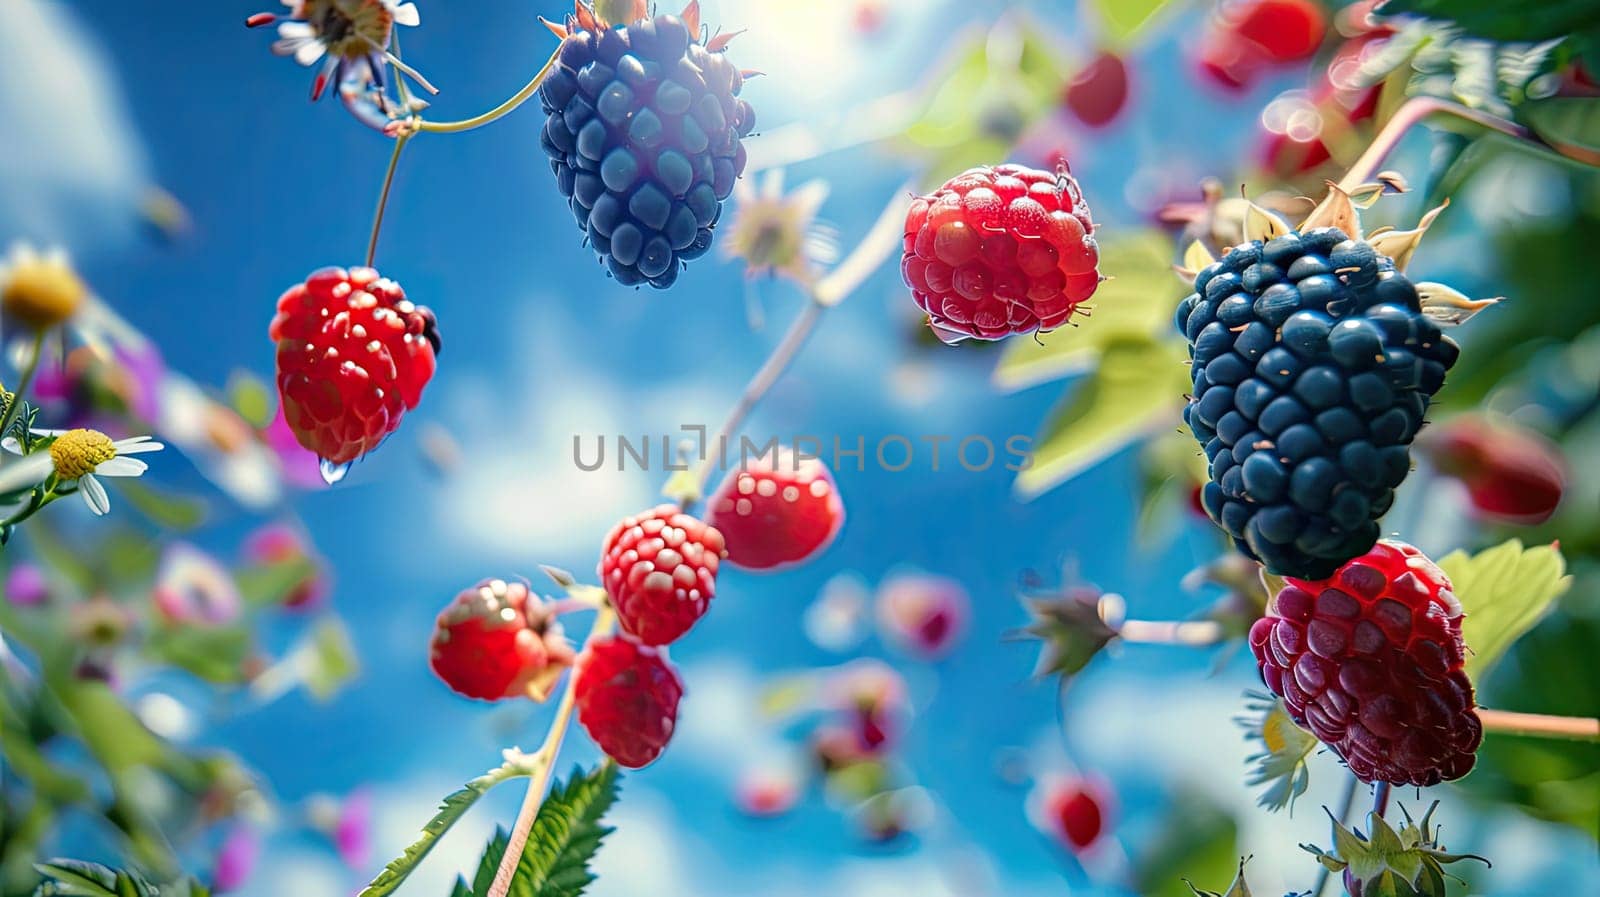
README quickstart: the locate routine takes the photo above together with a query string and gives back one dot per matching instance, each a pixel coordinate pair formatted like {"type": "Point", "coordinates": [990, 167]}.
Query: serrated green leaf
{"type": "Point", "coordinates": [1136, 303]}
{"type": "Point", "coordinates": [1499, 20]}
{"type": "Point", "coordinates": [565, 835]}
{"type": "Point", "coordinates": [1122, 20]}
{"type": "Point", "coordinates": [451, 809]}
{"type": "Point", "coordinates": [1504, 591]}
{"type": "Point", "coordinates": [1571, 125]}
{"type": "Point", "coordinates": [1137, 387]}
{"type": "Point", "coordinates": [76, 877]}
{"type": "Point", "coordinates": [490, 863]}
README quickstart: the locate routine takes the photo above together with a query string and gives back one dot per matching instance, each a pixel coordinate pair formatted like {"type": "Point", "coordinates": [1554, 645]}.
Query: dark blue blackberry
{"type": "Point", "coordinates": [643, 135]}
{"type": "Point", "coordinates": [1313, 366]}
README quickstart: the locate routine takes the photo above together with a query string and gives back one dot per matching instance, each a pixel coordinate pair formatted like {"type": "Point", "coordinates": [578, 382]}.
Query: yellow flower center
{"type": "Point", "coordinates": [78, 452]}
{"type": "Point", "coordinates": [42, 293]}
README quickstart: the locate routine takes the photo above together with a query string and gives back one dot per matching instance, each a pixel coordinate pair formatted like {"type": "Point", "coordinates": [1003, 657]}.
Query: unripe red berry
{"type": "Point", "coordinates": [1098, 92]}
{"type": "Point", "coordinates": [775, 513]}
{"type": "Point", "coordinates": [497, 640]}
{"type": "Point", "coordinates": [627, 698]}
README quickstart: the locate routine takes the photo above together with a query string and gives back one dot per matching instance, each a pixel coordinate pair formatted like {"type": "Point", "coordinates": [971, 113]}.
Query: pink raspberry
{"type": "Point", "coordinates": [627, 698]}
{"type": "Point", "coordinates": [659, 568]}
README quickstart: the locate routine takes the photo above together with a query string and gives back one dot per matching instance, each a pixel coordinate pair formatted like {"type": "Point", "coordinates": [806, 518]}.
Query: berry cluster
{"type": "Point", "coordinates": [1370, 660]}
{"type": "Point", "coordinates": [1313, 367]}
{"type": "Point", "coordinates": [497, 640]}
{"type": "Point", "coordinates": [643, 135]}
{"type": "Point", "coordinates": [353, 356]}
{"type": "Point", "coordinates": [997, 251]}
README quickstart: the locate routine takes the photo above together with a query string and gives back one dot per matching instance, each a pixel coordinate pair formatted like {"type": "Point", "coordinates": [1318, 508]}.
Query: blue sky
{"type": "Point", "coordinates": [540, 346]}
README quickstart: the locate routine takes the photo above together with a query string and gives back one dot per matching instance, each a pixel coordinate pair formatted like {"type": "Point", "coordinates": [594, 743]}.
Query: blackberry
{"type": "Point", "coordinates": [1313, 365]}
{"type": "Point", "coordinates": [643, 135]}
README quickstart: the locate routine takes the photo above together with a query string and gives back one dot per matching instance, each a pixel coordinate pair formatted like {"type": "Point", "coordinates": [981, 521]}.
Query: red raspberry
{"type": "Point", "coordinates": [627, 696]}
{"type": "Point", "coordinates": [1075, 810]}
{"type": "Point", "coordinates": [660, 569]}
{"type": "Point", "coordinates": [1097, 93]}
{"type": "Point", "coordinates": [496, 640]}
{"type": "Point", "coordinates": [776, 512]}
{"type": "Point", "coordinates": [997, 251]}
{"type": "Point", "coordinates": [353, 357]}
{"type": "Point", "coordinates": [1370, 661]}
{"type": "Point", "coordinates": [1285, 30]}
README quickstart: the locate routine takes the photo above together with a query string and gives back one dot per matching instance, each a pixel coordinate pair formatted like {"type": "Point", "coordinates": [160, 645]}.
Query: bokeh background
{"type": "Point", "coordinates": [106, 102]}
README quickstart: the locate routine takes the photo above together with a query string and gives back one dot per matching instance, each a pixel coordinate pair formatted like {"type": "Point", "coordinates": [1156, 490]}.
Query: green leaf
{"type": "Point", "coordinates": [251, 398]}
{"type": "Point", "coordinates": [1136, 303]}
{"type": "Point", "coordinates": [1137, 388]}
{"type": "Point", "coordinates": [77, 877]}
{"type": "Point", "coordinates": [1571, 125]}
{"type": "Point", "coordinates": [330, 658]}
{"type": "Point", "coordinates": [1199, 844]}
{"type": "Point", "coordinates": [213, 653]}
{"type": "Point", "coordinates": [168, 510]}
{"type": "Point", "coordinates": [271, 584]}
{"type": "Point", "coordinates": [1122, 20]}
{"type": "Point", "coordinates": [1502, 21]}
{"type": "Point", "coordinates": [565, 835]}
{"type": "Point", "coordinates": [490, 864]}
{"type": "Point", "coordinates": [1504, 590]}
{"type": "Point", "coordinates": [450, 812]}
{"type": "Point", "coordinates": [978, 106]}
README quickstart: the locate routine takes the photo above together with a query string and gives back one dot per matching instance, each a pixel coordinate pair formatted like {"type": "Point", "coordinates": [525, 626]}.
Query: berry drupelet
{"type": "Point", "coordinates": [643, 135]}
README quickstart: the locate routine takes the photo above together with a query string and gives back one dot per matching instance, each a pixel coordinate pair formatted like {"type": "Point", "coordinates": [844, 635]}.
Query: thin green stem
{"type": "Point", "coordinates": [1539, 725]}
{"type": "Point", "coordinates": [545, 761]}
{"type": "Point", "coordinates": [383, 196]}
{"type": "Point", "coordinates": [498, 112]}
{"type": "Point", "coordinates": [23, 384]}
{"type": "Point", "coordinates": [1198, 633]}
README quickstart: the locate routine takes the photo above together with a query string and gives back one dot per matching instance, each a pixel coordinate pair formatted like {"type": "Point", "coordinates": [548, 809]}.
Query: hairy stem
{"type": "Point", "coordinates": [1539, 725]}
{"type": "Point", "coordinates": [498, 112]}
{"type": "Point", "coordinates": [545, 761]}
{"type": "Point", "coordinates": [383, 196]}
{"type": "Point", "coordinates": [1380, 798]}
{"type": "Point", "coordinates": [1410, 114]}
{"type": "Point", "coordinates": [778, 362]}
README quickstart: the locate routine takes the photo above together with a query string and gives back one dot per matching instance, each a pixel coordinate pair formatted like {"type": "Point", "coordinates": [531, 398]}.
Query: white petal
{"type": "Point", "coordinates": [296, 29]}
{"type": "Point", "coordinates": [309, 52]}
{"type": "Point", "coordinates": [286, 46]}
{"type": "Point", "coordinates": [39, 431]}
{"type": "Point", "coordinates": [137, 446]}
{"type": "Point", "coordinates": [94, 495]}
{"type": "Point", "coordinates": [121, 467]}
{"type": "Point", "coordinates": [406, 14]}
{"type": "Point", "coordinates": [11, 445]}
{"type": "Point", "coordinates": [28, 471]}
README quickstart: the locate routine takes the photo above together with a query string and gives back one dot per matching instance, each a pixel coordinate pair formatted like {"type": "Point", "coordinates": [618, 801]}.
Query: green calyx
{"type": "Point", "coordinates": [1405, 863]}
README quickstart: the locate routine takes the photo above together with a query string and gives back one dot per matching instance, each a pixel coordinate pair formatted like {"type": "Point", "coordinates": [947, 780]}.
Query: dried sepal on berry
{"type": "Point", "coordinates": [1280, 764]}
{"type": "Point", "coordinates": [1260, 224]}
{"type": "Point", "coordinates": [1400, 245]}
{"type": "Point", "coordinates": [1448, 307]}
{"type": "Point", "coordinates": [1409, 861]}
{"type": "Point", "coordinates": [1195, 258]}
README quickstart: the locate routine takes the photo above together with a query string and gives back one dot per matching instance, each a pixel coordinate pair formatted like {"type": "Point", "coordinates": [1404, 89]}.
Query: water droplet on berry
{"type": "Point", "coordinates": [332, 472]}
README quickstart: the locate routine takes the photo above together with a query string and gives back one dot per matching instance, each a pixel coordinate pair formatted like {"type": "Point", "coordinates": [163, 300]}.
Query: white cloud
{"type": "Point", "coordinates": [71, 167]}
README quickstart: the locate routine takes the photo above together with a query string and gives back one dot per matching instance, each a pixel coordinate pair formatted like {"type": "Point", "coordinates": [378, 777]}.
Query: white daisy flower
{"type": "Point", "coordinates": [350, 38]}
{"type": "Point", "coordinates": [778, 233]}
{"type": "Point", "coordinates": [77, 456]}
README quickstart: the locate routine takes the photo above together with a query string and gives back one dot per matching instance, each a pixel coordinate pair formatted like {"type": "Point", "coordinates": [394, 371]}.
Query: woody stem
{"type": "Point", "coordinates": [545, 761]}
{"type": "Point", "coordinates": [1410, 114]}
{"type": "Point", "coordinates": [1539, 725]}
